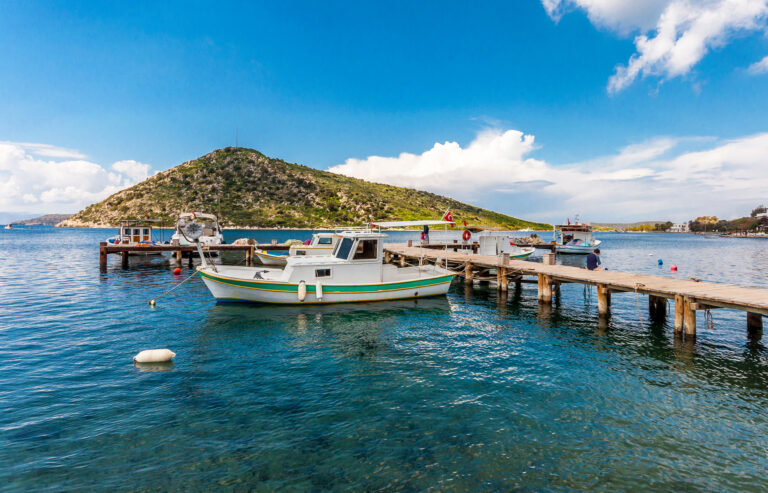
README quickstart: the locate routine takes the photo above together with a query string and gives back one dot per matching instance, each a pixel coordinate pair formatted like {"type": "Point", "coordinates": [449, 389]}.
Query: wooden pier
{"type": "Point", "coordinates": [689, 295]}
{"type": "Point", "coordinates": [180, 251]}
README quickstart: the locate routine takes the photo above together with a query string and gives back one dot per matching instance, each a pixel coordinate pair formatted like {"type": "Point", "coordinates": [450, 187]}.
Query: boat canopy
{"type": "Point", "coordinates": [200, 215]}
{"type": "Point", "coordinates": [399, 224]}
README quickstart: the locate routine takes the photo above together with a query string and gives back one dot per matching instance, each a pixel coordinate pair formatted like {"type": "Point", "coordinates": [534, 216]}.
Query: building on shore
{"type": "Point", "coordinates": [680, 228]}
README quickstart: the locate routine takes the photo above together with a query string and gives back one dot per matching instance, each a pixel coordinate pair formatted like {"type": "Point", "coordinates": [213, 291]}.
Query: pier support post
{"type": "Point", "coordinates": [657, 307]}
{"type": "Point", "coordinates": [545, 288]}
{"type": "Point", "coordinates": [387, 257]}
{"type": "Point", "coordinates": [603, 300]}
{"type": "Point", "coordinates": [402, 260]}
{"type": "Point", "coordinates": [124, 263]}
{"type": "Point", "coordinates": [468, 274]}
{"type": "Point", "coordinates": [754, 322]}
{"type": "Point", "coordinates": [689, 314]}
{"type": "Point", "coordinates": [501, 272]}
{"type": "Point", "coordinates": [103, 254]}
{"type": "Point", "coordinates": [190, 260]}
{"type": "Point", "coordinates": [679, 314]}
{"type": "Point", "coordinates": [178, 256]}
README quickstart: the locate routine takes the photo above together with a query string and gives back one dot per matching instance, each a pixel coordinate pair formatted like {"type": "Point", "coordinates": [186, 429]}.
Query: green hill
{"type": "Point", "coordinates": [248, 189]}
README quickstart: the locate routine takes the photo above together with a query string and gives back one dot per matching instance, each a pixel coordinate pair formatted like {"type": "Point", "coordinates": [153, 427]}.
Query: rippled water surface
{"type": "Point", "coordinates": [465, 392]}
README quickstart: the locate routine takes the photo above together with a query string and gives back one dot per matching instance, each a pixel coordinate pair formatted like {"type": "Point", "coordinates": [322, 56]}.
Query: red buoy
{"type": "Point", "coordinates": [176, 271]}
{"type": "Point", "coordinates": [673, 268]}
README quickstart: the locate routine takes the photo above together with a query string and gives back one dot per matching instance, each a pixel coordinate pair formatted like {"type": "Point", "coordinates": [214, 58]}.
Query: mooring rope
{"type": "Point", "coordinates": [153, 300]}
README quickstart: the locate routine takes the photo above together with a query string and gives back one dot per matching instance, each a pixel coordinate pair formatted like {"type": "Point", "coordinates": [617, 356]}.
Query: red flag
{"type": "Point", "coordinates": [465, 222]}
{"type": "Point", "coordinates": [569, 220]}
{"type": "Point", "coordinates": [448, 217]}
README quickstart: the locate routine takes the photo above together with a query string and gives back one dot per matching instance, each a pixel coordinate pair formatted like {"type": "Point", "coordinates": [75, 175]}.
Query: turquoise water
{"type": "Point", "coordinates": [445, 394]}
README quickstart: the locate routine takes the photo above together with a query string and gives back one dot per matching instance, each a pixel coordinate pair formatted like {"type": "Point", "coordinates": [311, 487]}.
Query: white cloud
{"type": "Point", "coordinates": [760, 67]}
{"type": "Point", "coordinates": [674, 35]}
{"type": "Point", "coordinates": [29, 183]}
{"type": "Point", "coordinates": [657, 179]}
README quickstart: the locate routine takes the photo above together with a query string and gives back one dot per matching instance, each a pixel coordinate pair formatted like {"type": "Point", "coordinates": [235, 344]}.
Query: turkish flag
{"type": "Point", "coordinates": [448, 216]}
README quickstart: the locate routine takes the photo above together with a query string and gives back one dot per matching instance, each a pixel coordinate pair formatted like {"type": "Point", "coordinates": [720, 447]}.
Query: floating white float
{"type": "Point", "coordinates": [302, 290]}
{"type": "Point", "coordinates": [154, 356]}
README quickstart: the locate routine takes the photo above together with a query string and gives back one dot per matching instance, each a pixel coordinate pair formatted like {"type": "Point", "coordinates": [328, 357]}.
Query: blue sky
{"type": "Point", "coordinates": [148, 85]}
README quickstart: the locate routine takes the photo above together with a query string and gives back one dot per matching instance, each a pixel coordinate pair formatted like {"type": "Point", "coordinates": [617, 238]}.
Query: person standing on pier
{"type": "Point", "coordinates": [593, 260]}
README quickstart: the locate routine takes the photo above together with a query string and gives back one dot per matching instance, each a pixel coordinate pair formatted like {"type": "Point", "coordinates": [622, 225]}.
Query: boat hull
{"type": "Point", "coordinates": [577, 249]}
{"type": "Point", "coordinates": [269, 259]}
{"type": "Point", "coordinates": [239, 290]}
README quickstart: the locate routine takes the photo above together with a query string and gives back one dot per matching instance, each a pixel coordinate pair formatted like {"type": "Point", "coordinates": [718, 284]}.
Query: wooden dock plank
{"type": "Point", "coordinates": [749, 299]}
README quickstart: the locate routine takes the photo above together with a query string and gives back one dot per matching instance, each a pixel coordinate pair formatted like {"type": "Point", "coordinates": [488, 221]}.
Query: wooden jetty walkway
{"type": "Point", "coordinates": [689, 295]}
{"type": "Point", "coordinates": [179, 251]}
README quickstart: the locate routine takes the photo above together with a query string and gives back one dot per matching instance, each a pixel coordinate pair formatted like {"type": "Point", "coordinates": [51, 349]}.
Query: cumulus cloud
{"type": "Point", "coordinates": [31, 182]}
{"type": "Point", "coordinates": [674, 35]}
{"type": "Point", "coordinates": [760, 67]}
{"type": "Point", "coordinates": [659, 178]}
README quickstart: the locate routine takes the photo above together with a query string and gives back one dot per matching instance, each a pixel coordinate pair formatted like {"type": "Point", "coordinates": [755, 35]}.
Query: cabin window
{"type": "Point", "coordinates": [146, 231]}
{"type": "Point", "coordinates": [342, 250]}
{"type": "Point", "coordinates": [126, 231]}
{"type": "Point", "coordinates": [322, 272]}
{"type": "Point", "coordinates": [137, 231]}
{"type": "Point", "coordinates": [324, 241]}
{"type": "Point", "coordinates": [301, 252]}
{"type": "Point", "coordinates": [366, 250]}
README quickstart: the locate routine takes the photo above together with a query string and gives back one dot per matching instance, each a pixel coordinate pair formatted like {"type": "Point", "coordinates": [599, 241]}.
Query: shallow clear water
{"type": "Point", "coordinates": [456, 393]}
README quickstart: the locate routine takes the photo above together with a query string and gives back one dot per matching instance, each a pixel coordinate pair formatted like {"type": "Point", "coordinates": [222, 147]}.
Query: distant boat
{"type": "Point", "coordinates": [8, 226]}
{"type": "Point", "coordinates": [321, 244]}
{"type": "Point", "coordinates": [136, 233]}
{"type": "Point", "coordinates": [211, 231]}
{"type": "Point", "coordinates": [575, 238]}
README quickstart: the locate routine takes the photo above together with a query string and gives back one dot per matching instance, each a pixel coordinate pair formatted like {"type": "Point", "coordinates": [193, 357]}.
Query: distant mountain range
{"type": "Point", "coordinates": [245, 188]}
{"type": "Point", "coordinates": [46, 220]}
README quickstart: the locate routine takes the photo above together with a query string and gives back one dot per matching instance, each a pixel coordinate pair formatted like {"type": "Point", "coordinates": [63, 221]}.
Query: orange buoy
{"type": "Point", "coordinates": [176, 271]}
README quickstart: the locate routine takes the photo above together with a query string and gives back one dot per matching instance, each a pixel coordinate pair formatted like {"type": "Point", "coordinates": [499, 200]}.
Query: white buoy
{"type": "Point", "coordinates": [154, 356]}
{"type": "Point", "coordinates": [302, 290]}
{"type": "Point", "coordinates": [318, 291]}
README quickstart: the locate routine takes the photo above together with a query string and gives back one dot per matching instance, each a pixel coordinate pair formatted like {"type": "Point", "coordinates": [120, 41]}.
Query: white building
{"type": "Point", "coordinates": [680, 228]}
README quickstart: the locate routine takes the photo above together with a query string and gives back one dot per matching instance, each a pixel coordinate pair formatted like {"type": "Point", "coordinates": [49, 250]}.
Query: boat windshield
{"type": "Point", "coordinates": [342, 251]}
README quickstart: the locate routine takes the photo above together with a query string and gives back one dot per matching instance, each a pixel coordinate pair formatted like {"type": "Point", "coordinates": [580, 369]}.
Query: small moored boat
{"type": "Point", "coordinates": [575, 238]}
{"type": "Point", "coordinates": [136, 233]}
{"type": "Point", "coordinates": [354, 272]}
{"type": "Point", "coordinates": [211, 231]}
{"type": "Point", "coordinates": [321, 244]}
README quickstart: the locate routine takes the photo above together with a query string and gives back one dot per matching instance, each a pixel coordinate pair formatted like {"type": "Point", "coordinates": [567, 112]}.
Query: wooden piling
{"type": "Point", "coordinates": [402, 260]}
{"type": "Point", "coordinates": [103, 254]}
{"type": "Point", "coordinates": [657, 307]}
{"type": "Point", "coordinates": [679, 313]}
{"type": "Point", "coordinates": [124, 263]}
{"type": "Point", "coordinates": [468, 274]}
{"type": "Point", "coordinates": [754, 322]}
{"type": "Point", "coordinates": [545, 288]}
{"type": "Point", "coordinates": [603, 300]}
{"type": "Point", "coordinates": [689, 314]}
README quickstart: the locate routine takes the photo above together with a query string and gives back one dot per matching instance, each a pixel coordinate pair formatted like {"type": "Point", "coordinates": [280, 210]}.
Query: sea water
{"type": "Point", "coordinates": [472, 391]}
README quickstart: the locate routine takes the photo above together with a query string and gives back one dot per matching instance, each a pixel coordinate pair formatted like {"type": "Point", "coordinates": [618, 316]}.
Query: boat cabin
{"type": "Point", "coordinates": [574, 233]}
{"type": "Point", "coordinates": [357, 257]}
{"type": "Point", "coordinates": [135, 231]}
{"type": "Point", "coordinates": [321, 244]}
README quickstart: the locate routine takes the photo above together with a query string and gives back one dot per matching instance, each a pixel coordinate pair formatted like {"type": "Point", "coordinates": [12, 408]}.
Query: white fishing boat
{"type": "Point", "coordinates": [498, 243]}
{"type": "Point", "coordinates": [575, 238]}
{"type": "Point", "coordinates": [136, 233]}
{"type": "Point", "coordinates": [211, 231]}
{"type": "Point", "coordinates": [321, 244]}
{"type": "Point", "coordinates": [354, 272]}
{"type": "Point", "coordinates": [8, 226]}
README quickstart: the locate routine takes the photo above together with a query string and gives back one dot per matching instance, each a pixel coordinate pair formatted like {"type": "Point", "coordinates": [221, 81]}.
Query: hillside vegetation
{"type": "Point", "coordinates": [248, 189]}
